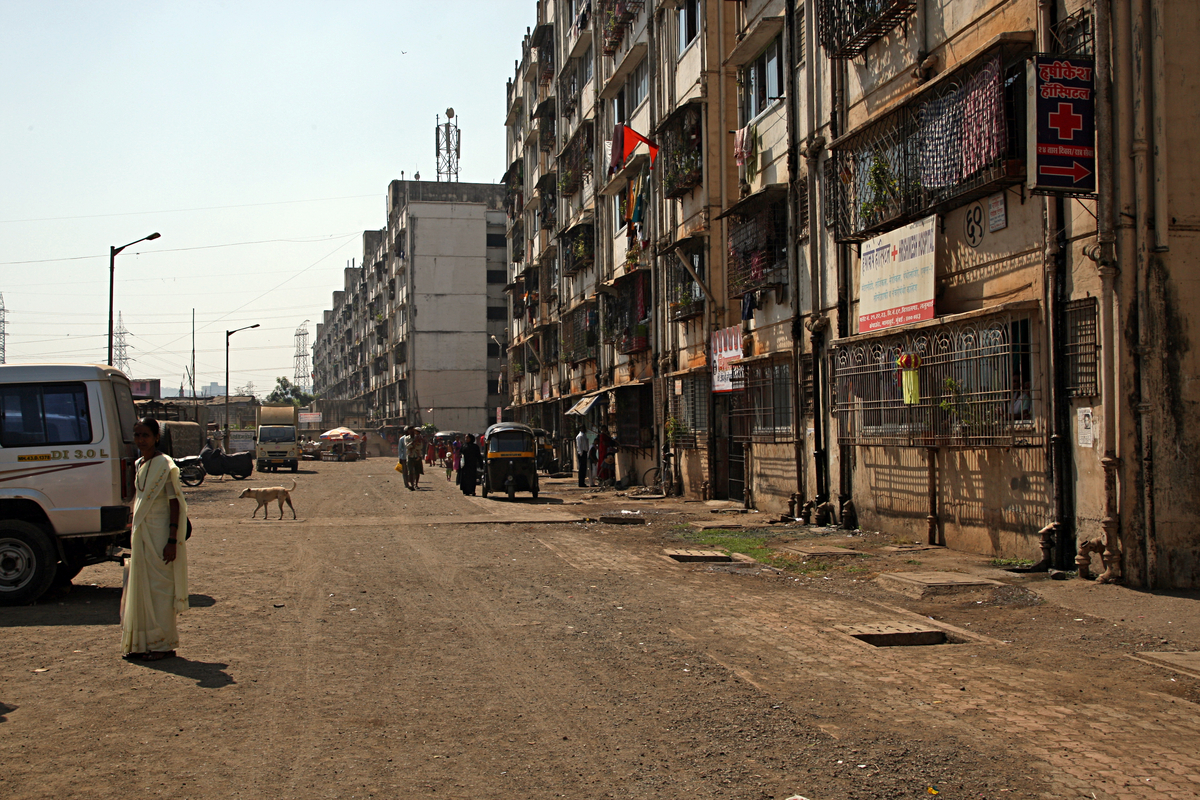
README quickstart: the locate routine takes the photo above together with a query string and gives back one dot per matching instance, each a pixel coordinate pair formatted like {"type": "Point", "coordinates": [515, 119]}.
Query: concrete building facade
{"type": "Point", "coordinates": [824, 252]}
{"type": "Point", "coordinates": [407, 340]}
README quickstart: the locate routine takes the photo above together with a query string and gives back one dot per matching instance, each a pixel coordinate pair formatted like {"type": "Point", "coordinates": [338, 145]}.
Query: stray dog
{"type": "Point", "coordinates": [265, 495]}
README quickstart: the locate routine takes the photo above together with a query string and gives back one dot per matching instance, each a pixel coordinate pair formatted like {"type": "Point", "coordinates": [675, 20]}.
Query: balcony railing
{"type": "Point", "coordinates": [948, 146]}
{"type": "Point", "coordinates": [578, 249]}
{"type": "Point", "coordinates": [685, 298]}
{"type": "Point", "coordinates": [682, 152]}
{"type": "Point", "coordinates": [848, 27]}
{"type": "Point", "coordinates": [758, 247]}
{"type": "Point", "coordinates": [575, 160]}
{"type": "Point", "coordinates": [580, 335]}
{"type": "Point", "coordinates": [627, 314]}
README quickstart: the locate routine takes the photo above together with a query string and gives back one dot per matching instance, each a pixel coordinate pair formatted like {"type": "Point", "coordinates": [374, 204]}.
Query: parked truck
{"type": "Point", "coordinates": [277, 445]}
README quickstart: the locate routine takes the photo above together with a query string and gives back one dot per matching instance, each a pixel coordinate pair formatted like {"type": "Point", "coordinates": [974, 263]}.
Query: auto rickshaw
{"type": "Point", "coordinates": [545, 451]}
{"type": "Point", "coordinates": [509, 463]}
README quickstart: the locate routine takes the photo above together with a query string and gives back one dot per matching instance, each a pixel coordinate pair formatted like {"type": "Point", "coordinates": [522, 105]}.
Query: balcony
{"type": "Point", "coordinates": [579, 248]}
{"type": "Point", "coordinates": [685, 298]}
{"type": "Point", "coordinates": [628, 315]}
{"type": "Point", "coordinates": [956, 142]}
{"type": "Point", "coordinates": [682, 151]}
{"type": "Point", "coordinates": [579, 339]}
{"type": "Point", "coordinates": [575, 161]}
{"type": "Point", "coordinates": [846, 28]}
{"type": "Point", "coordinates": [758, 242]}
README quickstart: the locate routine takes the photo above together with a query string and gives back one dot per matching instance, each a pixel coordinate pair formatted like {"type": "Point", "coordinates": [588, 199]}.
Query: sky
{"type": "Point", "coordinates": [257, 137]}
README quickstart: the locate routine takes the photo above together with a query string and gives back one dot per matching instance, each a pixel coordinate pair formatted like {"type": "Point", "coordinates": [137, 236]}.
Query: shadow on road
{"type": "Point", "coordinates": [207, 675]}
{"type": "Point", "coordinates": [5, 709]}
{"type": "Point", "coordinates": [67, 605]}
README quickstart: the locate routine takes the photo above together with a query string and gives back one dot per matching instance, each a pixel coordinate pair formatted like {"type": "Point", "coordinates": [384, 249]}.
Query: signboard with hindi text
{"type": "Point", "coordinates": [726, 348]}
{"type": "Point", "coordinates": [896, 271]}
{"type": "Point", "coordinates": [1062, 125]}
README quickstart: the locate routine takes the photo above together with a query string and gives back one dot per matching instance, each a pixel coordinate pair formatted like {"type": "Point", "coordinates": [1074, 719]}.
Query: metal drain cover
{"type": "Point", "coordinates": [895, 634]}
{"type": "Point", "coordinates": [698, 555]}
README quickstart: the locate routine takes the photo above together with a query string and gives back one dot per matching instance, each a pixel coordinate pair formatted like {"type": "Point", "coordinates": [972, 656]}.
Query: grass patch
{"type": "Point", "coordinates": [1011, 562]}
{"type": "Point", "coordinates": [749, 543]}
{"type": "Point", "coordinates": [912, 561]}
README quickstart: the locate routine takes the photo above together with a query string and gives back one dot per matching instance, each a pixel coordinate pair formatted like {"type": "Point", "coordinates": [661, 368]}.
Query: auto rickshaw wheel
{"type": "Point", "coordinates": [484, 489]}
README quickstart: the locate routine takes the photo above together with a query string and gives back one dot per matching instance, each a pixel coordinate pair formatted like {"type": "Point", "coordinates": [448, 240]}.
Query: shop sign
{"type": "Point", "coordinates": [896, 276]}
{"type": "Point", "coordinates": [726, 347]}
{"type": "Point", "coordinates": [1062, 124]}
{"type": "Point", "coordinates": [310, 418]}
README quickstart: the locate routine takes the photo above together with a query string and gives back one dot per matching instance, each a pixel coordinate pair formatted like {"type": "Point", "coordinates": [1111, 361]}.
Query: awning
{"type": "Point", "coordinates": [582, 407]}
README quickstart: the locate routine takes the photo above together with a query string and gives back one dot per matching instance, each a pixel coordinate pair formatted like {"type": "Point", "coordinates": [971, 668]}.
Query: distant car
{"type": "Point", "coordinates": [67, 453]}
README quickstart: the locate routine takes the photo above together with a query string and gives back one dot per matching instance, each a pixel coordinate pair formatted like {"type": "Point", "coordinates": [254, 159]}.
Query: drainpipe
{"type": "Point", "coordinates": [1105, 257]}
{"type": "Point", "coordinates": [1158, 99]}
{"type": "Point", "coordinates": [846, 453]}
{"type": "Point", "coordinates": [793, 224]}
{"type": "Point", "coordinates": [932, 518]}
{"type": "Point", "coordinates": [716, 317]}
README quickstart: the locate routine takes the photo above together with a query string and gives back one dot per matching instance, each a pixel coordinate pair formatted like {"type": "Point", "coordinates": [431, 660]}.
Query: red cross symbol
{"type": "Point", "coordinates": [895, 252]}
{"type": "Point", "coordinates": [1065, 121]}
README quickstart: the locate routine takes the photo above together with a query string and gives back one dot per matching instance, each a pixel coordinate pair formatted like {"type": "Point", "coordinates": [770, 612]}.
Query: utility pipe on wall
{"type": "Point", "coordinates": [1158, 99]}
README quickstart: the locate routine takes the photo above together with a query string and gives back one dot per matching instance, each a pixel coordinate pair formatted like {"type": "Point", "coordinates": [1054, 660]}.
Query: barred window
{"type": "Point", "coordinates": [966, 385]}
{"type": "Point", "coordinates": [635, 416]}
{"type": "Point", "coordinates": [580, 335]}
{"type": "Point", "coordinates": [1082, 348]}
{"type": "Point", "coordinates": [846, 28]}
{"type": "Point", "coordinates": [758, 248]}
{"type": "Point", "coordinates": [685, 298]}
{"type": "Point", "coordinates": [764, 413]}
{"type": "Point", "coordinates": [687, 417]}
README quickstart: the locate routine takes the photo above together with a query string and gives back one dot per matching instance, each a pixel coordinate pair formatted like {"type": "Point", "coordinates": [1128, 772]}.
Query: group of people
{"type": "Point", "coordinates": [596, 461]}
{"type": "Point", "coordinates": [462, 457]}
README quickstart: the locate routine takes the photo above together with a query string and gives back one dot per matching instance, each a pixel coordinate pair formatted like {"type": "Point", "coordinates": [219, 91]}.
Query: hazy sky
{"type": "Point", "coordinates": [257, 137]}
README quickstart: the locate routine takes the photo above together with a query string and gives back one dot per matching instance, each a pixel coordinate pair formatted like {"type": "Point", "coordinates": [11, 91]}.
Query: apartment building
{"type": "Point", "coordinates": [918, 267]}
{"type": "Point", "coordinates": [411, 338]}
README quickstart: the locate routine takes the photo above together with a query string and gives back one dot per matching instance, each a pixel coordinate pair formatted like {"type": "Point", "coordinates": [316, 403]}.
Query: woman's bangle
{"type": "Point", "coordinates": [172, 540]}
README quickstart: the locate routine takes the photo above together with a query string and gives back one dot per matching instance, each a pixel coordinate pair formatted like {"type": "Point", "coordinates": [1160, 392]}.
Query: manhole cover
{"type": "Point", "coordinates": [925, 584]}
{"type": "Point", "coordinates": [895, 634]}
{"type": "Point", "coordinates": [815, 550]}
{"type": "Point", "coordinates": [698, 555]}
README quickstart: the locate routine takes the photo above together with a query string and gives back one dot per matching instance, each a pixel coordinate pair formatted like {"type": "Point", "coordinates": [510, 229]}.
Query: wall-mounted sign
{"type": "Point", "coordinates": [973, 224]}
{"type": "Point", "coordinates": [1062, 124]}
{"type": "Point", "coordinates": [726, 347]}
{"type": "Point", "coordinates": [310, 418]}
{"type": "Point", "coordinates": [997, 212]}
{"type": "Point", "coordinates": [896, 269]}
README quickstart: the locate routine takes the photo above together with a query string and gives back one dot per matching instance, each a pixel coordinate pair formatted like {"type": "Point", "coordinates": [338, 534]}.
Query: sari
{"type": "Point", "coordinates": [155, 591]}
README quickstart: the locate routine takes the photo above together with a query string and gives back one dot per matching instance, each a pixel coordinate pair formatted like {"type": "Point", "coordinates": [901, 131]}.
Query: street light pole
{"type": "Point", "coordinates": [112, 275]}
{"type": "Point", "coordinates": [227, 335]}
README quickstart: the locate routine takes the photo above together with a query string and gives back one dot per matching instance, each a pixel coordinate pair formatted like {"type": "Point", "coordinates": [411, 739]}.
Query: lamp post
{"type": "Point", "coordinates": [227, 335]}
{"type": "Point", "coordinates": [112, 274]}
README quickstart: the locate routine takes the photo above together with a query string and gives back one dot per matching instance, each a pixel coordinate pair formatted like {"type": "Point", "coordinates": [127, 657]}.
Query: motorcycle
{"type": "Point", "coordinates": [191, 470]}
{"type": "Point", "coordinates": [218, 462]}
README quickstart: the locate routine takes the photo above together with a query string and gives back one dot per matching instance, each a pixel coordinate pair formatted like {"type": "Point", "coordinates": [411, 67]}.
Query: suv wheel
{"type": "Point", "coordinates": [28, 562]}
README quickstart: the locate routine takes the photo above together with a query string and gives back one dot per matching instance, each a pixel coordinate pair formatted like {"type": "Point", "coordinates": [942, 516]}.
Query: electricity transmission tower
{"type": "Point", "coordinates": [120, 356]}
{"type": "Point", "coordinates": [302, 380]}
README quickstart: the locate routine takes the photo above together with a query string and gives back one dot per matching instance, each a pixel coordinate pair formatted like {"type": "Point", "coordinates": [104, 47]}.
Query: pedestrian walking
{"type": "Point", "coordinates": [468, 473]}
{"type": "Point", "coordinates": [581, 454]}
{"type": "Point", "coordinates": [156, 587]}
{"type": "Point", "coordinates": [402, 457]}
{"type": "Point", "coordinates": [414, 468]}
{"type": "Point", "coordinates": [593, 461]}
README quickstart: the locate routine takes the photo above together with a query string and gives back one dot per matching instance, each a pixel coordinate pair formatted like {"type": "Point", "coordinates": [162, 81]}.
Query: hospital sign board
{"type": "Point", "coordinates": [1062, 124]}
{"type": "Point", "coordinates": [896, 276]}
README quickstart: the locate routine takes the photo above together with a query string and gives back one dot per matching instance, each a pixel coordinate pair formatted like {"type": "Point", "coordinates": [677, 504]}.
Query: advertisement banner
{"type": "Point", "coordinates": [726, 347]}
{"type": "Point", "coordinates": [310, 418]}
{"type": "Point", "coordinates": [896, 276]}
{"type": "Point", "coordinates": [1062, 124]}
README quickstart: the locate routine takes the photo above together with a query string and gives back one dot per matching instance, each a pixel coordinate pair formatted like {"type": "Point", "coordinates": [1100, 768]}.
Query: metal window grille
{"type": "Point", "coordinates": [762, 411]}
{"type": "Point", "coordinates": [546, 134]}
{"type": "Point", "coordinates": [1074, 35]}
{"type": "Point", "coordinates": [972, 387]}
{"type": "Point", "coordinates": [549, 211]}
{"type": "Point", "coordinates": [550, 344]}
{"type": "Point", "coordinates": [807, 384]}
{"type": "Point", "coordinates": [578, 249]}
{"type": "Point", "coordinates": [956, 143]}
{"type": "Point", "coordinates": [846, 28]}
{"type": "Point", "coordinates": [687, 415]}
{"type": "Point", "coordinates": [580, 334]}
{"type": "Point", "coordinates": [575, 160]}
{"type": "Point", "coordinates": [758, 249]}
{"type": "Point", "coordinates": [569, 86]}
{"type": "Point", "coordinates": [682, 152]}
{"type": "Point", "coordinates": [1082, 349]}
{"type": "Point", "coordinates": [615, 17]}
{"type": "Point", "coordinates": [546, 64]}
{"type": "Point", "coordinates": [685, 298]}
{"type": "Point", "coordinates": [627, 314]}
{"type": "Point", "coordinates": [548, 275]}
{"type": "Point", "coordinates": [802, 207]}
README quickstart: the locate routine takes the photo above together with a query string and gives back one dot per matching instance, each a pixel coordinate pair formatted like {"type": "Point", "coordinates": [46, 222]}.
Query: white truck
{"type": "Point", "coordinates": [68, 461]}
{"type": "Point", "coordinates": [277, 443]}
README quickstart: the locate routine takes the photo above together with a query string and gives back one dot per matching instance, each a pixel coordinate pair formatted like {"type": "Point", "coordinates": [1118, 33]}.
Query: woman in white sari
{"type": "Point", "coordinates": [156, 586]}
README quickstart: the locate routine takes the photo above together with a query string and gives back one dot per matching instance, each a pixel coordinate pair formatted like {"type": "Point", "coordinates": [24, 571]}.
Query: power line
{"type": "Point", "coordinates": [186, 210]}
{"type": "Point", "coordinates": [187, 249]}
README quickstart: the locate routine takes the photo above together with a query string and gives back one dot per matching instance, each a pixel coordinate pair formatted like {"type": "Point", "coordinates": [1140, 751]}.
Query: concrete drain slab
{"type": "Point", "coordinates": [894, 634]}
{"type": "Point", "coordinates": [1187, 662]}
{"type": "Point", "coordinates": [716, 526]}
{"type": "Point", "coordinates": [698, 555]}
{"type": "Point", "coordinates": [918, 585]}
{"type": "Point", "coordinates": [910, 548]}
{"type": "Point", "coordinates": [819, 550]}
{"type": "Point", "coordinates": [623, 519]}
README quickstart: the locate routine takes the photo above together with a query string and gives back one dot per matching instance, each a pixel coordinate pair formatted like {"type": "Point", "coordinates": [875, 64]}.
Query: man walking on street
{"type": "Point", "coordinates": [402, 457]}
{"type": "Point", "coordinates": [581, 454]}
{"type": "Point", "coordinates": [415, 468]}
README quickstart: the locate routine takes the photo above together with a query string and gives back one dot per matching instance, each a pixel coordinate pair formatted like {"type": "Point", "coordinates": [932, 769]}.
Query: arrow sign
{"type": "Point", "coordinates": [1076, 171]}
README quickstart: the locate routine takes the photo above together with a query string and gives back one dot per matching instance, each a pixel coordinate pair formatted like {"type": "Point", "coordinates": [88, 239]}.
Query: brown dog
{"type": "Point", "coordinates": [265, 495]}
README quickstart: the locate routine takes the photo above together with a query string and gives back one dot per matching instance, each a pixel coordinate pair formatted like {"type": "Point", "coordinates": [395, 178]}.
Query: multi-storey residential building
{"type": "Point", "coordinates": [411, 337]}
{"type": "Point", "coordinates": [871, 261]}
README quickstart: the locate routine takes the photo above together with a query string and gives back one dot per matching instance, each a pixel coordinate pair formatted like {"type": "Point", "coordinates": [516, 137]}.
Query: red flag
{"type": "Point", "coordinates": [631, 140]}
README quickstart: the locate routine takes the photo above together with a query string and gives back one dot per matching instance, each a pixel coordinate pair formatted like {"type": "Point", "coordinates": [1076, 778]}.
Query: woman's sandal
{"type": "Point", "coordinates": [153, 655]}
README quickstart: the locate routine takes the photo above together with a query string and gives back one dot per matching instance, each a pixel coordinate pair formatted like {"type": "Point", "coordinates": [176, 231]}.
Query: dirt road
{"type": "Point", "coordinates": [408, 644]}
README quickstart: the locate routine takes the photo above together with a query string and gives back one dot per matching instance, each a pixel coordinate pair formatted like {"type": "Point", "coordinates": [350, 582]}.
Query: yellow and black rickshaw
{"type": "Point", "coordinates": [510, 459]}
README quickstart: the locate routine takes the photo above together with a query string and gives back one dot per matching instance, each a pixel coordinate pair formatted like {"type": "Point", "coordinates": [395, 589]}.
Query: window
{"type": "Point", "coordinates": [970, 385]}
{"type": "Point", "coordinates": [620, 207]}
{"type": "Point", "coordinates": [493, 387]}
{"type": "Point", "coordinates": [496, 240]}
{"type": "Point", "coordinates": [35, 414]}
{"type": "Point", "coordinates": [585, 68]}
{"type": "Point", "coordinates": [687, 421]}
{"type": "Point", "coordinates": [639, 84]}
{"type": "Point", "coordinates": [762, 81]}
{"type": "Point", "coordinates": [635, 416]}
{"type": "Point", "coordinates": [685, 298]}
{"type": "Point", "coordinates": [765, 413]}
{"type": "Point", "coordinates": [493, 350]}
{"type": "Point", "coordinates": [798, 39]}
{"type": "Point", "coordinates": [1082, 348]}
{"type": "Point", "coordinates": [689, 23]}
{"type": "Point", "coordinates": [497, 276]}
{"type": "Point", "coordinates": [497, 312]}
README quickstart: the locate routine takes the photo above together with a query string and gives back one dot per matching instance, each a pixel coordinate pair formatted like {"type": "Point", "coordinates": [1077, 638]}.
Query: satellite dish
{"type": "Point", "coordinates": [449, 113]}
